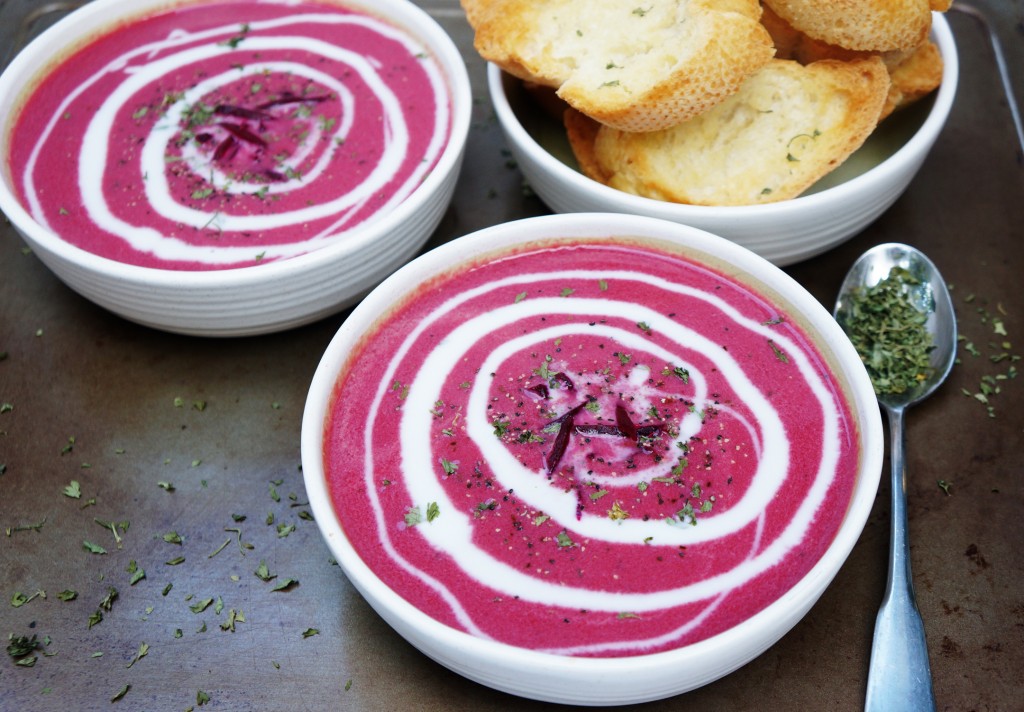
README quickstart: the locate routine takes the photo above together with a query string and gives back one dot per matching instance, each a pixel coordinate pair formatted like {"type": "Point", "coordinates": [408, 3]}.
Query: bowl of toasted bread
{"type": "Point", "coordinates": [786, 126]}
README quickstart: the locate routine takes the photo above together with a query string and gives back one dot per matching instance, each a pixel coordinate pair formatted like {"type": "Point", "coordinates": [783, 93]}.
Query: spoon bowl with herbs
{"type": "Point", "coordinates": [897, 311]}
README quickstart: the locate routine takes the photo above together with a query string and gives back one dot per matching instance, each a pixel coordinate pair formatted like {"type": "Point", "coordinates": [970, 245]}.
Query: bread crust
{"type": "Point", "coordinates": [788, 126]}
{"type": "Point", "coordinates": [868, 25]}
{"type": "Point", "coordinates": [635, 68]}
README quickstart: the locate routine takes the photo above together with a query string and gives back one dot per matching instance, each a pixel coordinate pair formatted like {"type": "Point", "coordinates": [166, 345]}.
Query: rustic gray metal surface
{"type": "Point", "coordinates": [89, 397]}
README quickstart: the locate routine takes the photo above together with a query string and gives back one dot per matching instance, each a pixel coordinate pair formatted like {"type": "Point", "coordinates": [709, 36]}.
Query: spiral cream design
{"type": "Point", "coordinates": [213, 144]}
{"type": "Point", "coordinates": [771, 479]}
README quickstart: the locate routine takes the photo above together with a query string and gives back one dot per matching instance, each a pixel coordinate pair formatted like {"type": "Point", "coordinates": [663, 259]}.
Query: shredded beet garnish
{"type": "Point", "coordinates": [241, 112]}
{"type": "Point", "coordinates": [540, 390]}
{"type": "Point", "coordinates": [285, 99]}
{"type": "Point", "coordinates": [204, 138]}
{"type": "Point", "coordinates": [598, 429]}
{"type": "Point", "coordinates": [243, 133]}
{"type": "Point", "coordinates": [569, 414]}
{"type": "Point", "coordinates": [624, 423]}
{"type": "Point", "coordinates": [561, 443]}
{"type": "Point", "coordinates": [565, 428]}
{"type": "Point", "coordinates": [225, 149]}
{"type": "Point", "coordinates": [613, 431]}
{"type": "Point", "coordinates": [565, 381]}
{"type": "Point", "coordinates": [273, 175]}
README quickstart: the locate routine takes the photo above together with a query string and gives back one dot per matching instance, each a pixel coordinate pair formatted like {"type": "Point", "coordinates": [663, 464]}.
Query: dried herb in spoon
{"type": "Point", "coordinates": [890, 334]}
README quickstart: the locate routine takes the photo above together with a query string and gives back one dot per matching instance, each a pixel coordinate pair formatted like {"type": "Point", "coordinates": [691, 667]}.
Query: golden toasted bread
{"type": "Point", "coordinates": [634, 67]}
{"type": "Point", "coordinates": [868, 25]}
{"type": "Point", "coordinates": [786, 127]}
{"type": "Point", "coordinates": [913, 73]}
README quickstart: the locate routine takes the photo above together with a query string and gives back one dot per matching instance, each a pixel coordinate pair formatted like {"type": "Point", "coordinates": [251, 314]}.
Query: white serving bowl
{"type": "Point", "coordinates": [590, 680]}
{"type": "Point", "coordinates": [841, 205]}
{"type": "Point", "coordinates": [254, 299]}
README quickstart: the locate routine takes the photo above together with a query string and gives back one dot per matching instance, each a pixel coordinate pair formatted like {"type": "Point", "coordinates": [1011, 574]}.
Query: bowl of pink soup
{"type": "Point", "coordinates": [232, 167]}
{"type": "Point", "coordinates": [592, 459]}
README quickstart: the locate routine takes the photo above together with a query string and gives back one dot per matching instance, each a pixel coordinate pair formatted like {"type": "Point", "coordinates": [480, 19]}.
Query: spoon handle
{"type": "Point", "coordinates": [899, 677]}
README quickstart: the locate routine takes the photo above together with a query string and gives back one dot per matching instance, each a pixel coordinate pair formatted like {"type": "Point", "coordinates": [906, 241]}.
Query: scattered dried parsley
{"type": "Point", "coordinates": [889, 332]}
{"type": "Point", "coordinates": [136, 571]}
{"type": "Point", "coordinates": [433, 511]}
{"type": "Point", "coordinates": [233, 618]}
{"type": "Point", "coordinates": [20, 599]}
{"type": "Point", "coordinates": [121, 693]}
{"type": "Point", "coordinates": [114, 527]}
{"type": "Point", "coordinates": [21, 646]}
{"type": "Point", "coordinates": [413, 517]}
{"type": "Point", "coordinates": [202, 605]}
{"type": "Point", "coordinates": [108, 601]}
{"type": "Point", "coordinates": [779, 353]}
{"type": "Point", "coordinates": [263, 572]}
{"type": "Point", "coordinates": [1001, 360]}
{"type": "Point", "coordinates": [219, 548]}
{"type": "Point", "coordinates": [143, 651]}
{"type": "Point", "coordinates": [285, 584]}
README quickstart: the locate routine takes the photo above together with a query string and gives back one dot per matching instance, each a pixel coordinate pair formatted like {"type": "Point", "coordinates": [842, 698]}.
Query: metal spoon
{"type": "Point", "coordinates": [899, 677]}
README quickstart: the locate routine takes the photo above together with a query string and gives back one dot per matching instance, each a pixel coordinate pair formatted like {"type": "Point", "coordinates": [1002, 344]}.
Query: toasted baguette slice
{"type": "Point", "coordinates": [637, 67]}
{"type": "Point", "coordinates": [913, 73]}
{"type": "Point", "coordinates": [869, 25]}
{"type": "Point", "coordinates": [787, 127]}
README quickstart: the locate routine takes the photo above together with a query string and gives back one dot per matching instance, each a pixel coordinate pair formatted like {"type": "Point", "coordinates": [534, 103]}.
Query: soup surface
{"type": "Point", "coordinates": [589, 448]}
{"type": "Point", "coordinates": [228, 133]}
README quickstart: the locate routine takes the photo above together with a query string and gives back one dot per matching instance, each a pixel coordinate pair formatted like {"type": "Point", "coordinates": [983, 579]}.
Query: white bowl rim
{"type": "Point", "coordinates": [587, 225]}
{"type": "Point", "coordinates": [411, 18]}
{"type": "Point", "coordinates": [922, 139]}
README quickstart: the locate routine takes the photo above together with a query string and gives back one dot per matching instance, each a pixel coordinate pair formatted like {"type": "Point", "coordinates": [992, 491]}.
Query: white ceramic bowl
{"type": "Point", "coordinates": [252, 299]}
{"type": "Point", "coordinates": [557, 677]}
{"type": "Point", "coordinates": [841, 205]}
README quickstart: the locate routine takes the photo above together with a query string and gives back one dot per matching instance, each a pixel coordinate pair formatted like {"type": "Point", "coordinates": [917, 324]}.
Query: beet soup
{"type": "Point", "coordinates": [229, 133]}
{"type": "Point", "coordinates": [589, 448]}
